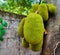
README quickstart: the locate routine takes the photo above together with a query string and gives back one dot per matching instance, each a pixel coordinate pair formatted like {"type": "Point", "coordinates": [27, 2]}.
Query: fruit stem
{"type": "Point", "coordinates": [36, 11]}
{"type": "Point", "coordinates": [45, 32]}
{"type": "Point", "coordinates": [42, 1]}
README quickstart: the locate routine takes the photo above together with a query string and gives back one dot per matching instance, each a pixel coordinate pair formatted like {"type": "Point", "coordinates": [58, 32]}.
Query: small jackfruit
{"type": "Point", "coordinates": [24, 43]}
{"type": "Point", "coordinates": [36, 47]}
{"type": "Point", "coordinates": [20, 27]}
{"type": "Point", "coordinates": [34, 8]}
{"type": "Point", "coordinates": [43, 11]}
{"type": "Point", "coordinates": [52, 8]}
{"type": "Point", "coordinates": [33, 28]}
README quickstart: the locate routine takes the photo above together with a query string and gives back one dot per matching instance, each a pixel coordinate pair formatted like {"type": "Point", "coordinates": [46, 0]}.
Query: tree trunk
{"type": "Point", "coordinates": [52, 39]}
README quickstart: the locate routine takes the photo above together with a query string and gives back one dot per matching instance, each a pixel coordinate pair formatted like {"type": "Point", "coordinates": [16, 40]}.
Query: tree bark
{"type": "Point", "coordinates": [52, 39]}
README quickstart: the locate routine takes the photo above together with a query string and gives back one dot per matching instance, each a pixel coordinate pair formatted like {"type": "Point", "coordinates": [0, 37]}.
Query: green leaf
{"type": "Point", "coordinates": [4, 23]}
{"type": "Point", "coordinates": [1, 19]}
{"type": "Point", "coordinates": [1, 27]}
{"type": "Point", "coordinates": [3, 31]}
{"type": "Point", "coordinates": [1, 39]}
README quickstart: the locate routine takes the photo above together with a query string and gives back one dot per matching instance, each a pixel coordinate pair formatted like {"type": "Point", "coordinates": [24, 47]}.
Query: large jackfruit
{"type": "Point", "coordinates": [33, 28]}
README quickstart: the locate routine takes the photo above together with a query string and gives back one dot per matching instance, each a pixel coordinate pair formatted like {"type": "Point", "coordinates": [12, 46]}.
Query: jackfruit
{"type": "Point", "coordinates": [33, 28]}
{"type": "Point", "coordinates": [43, 11]}
{"type": "Point", "coordinates": [36, 47]}
{"type": "Point", "coordinates": [34, 8]}
{"type": "Point", "coordinates": [24, 43]}
{"type": "Point", "coordinates": [52, 8]}
{"type": "Point", "coordinates": [20, 27]}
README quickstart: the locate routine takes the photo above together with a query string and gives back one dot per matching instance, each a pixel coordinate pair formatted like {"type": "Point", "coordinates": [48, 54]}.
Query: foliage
{"type": "Point", "coordinates": [17, 6]}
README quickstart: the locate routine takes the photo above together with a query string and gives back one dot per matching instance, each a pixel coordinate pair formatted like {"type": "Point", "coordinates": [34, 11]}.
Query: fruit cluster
{"type": "Point", "coordinates": [3, 24]}
{"type": "Point", "coordinates": [43, 9]}
{"type": "Point", "coordinates": [32, 28]}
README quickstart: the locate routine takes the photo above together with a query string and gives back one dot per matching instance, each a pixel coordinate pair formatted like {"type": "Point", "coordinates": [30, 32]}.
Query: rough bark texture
{"type": "Point", "coordinates": [11, 44]}
{"type": "Point", "coordinates": [52, 40]}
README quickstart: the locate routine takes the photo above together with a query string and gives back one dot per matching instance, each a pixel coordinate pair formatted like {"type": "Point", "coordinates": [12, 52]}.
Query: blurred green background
{"type": "Point", "coordinates": [17, 6]}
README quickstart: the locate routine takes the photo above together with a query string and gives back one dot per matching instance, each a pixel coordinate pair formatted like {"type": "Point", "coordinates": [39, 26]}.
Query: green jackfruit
{"type": "Point", "coordinates": [33, 28]}
{"type": "Point", "coordinates": [20, 27]}
{"type": "Point", "coordinates": [43, 11]}
{"type": "Point", "coordinates": [36, 47]}
{"type": "Point", "coordinates": [24, 43]}
{"type": "Point", "coordinates": [52, 8]}
{"type": "Point", "coordinates": [34, 8]}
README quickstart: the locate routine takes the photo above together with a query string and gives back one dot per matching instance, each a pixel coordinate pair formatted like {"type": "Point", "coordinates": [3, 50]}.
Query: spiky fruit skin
{"type": "Point", "coordinates": [52, 8]}
{"type": "Point", "coordinates": [43, 11]}
{"type": "Point", "coordinates": [33, 28]}
{"type": "Point", "coordinates": [34, 8]}
{"type": "Point", "coordinates": [36, 47]}
{"type": "Point", "coordinates": [20, 27]}
{"type": "Point", "coordinates": [24, 43]}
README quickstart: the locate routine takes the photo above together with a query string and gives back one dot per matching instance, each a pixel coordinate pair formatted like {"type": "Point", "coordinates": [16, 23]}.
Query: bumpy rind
{"type": "Point", "coordinates": [34, 8]}
{"type": "Point", "coordinates": [24, 43]}
{"type": "Point", "coordinates": [20, 27]}
{"type": "Point", "coordinates": [36, 47]}
{"type": "Point", "coordinates": [33, 28]}
{"type": "Point", "coordinates": [43, 11]}
{"type": "Point", "coordinates": [52, 8]}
